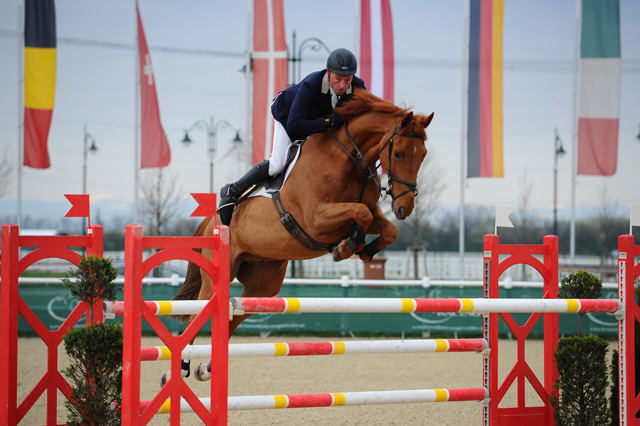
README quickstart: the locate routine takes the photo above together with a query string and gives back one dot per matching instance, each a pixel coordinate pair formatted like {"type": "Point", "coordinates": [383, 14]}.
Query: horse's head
{"type": "Point", "coordinates": [402, 151]}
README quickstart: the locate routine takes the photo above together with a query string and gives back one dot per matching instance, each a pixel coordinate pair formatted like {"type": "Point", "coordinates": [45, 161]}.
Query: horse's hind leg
{"type": "Point", "coordinates": [204, 294]}
{"type": "Point", "coordinates": [263, 279]}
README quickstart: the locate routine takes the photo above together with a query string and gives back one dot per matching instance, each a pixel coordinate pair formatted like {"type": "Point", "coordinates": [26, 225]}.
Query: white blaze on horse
{"type": "Point", "coordinates": [329, 202]}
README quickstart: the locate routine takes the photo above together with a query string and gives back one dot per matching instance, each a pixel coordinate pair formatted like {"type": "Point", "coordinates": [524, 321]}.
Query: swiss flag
{"type": "Point", "coordinates": [155, 151]}
{"type": "Point", "coordinates": [269, 63]}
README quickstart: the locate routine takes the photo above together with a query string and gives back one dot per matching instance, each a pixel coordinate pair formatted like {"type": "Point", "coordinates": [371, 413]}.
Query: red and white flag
{"type": "Point", "coordinates": [155, 151]}
{"type": "Point", "coordinates": [269, 71]}
{"type": "Point", "coordinates": [376, 47]}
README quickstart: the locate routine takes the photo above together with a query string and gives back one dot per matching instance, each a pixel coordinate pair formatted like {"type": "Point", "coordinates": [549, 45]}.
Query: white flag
{"type": "Point", "coordinates": [502, 217]}
{"type": "Point", "coordinates": [635, 217]}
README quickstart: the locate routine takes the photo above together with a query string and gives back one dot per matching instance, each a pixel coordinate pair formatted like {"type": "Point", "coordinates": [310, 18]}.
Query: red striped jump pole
{"type": "Point", "coordinates": [261, 402]}
{"type": "Point", "coordinates": [239, 350]}
{"type": "Point", "coordinates": [248, 305]}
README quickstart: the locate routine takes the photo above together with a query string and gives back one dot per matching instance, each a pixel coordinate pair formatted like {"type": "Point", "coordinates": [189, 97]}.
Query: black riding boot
{"type": "Point", "coordinates": [230, 192]}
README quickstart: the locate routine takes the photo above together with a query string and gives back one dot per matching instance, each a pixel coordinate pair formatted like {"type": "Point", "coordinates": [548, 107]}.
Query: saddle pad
{"type": "Point", "coordinates": [263, 192]}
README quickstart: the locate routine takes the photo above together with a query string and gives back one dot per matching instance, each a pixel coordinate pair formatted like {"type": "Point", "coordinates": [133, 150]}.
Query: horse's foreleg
{"type": "Point", "coordinates": [331, 216]}
{"type": "Point", "coordinates": [386, 230]}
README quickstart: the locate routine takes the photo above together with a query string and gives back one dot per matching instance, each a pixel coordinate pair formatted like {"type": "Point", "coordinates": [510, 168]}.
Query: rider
{"type": "Point", "coordinates": [299, 112]}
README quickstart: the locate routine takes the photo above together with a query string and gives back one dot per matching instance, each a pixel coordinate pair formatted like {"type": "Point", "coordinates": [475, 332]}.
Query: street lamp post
{"type": "Point", "coordinates": [312, 43]}
{"type": "Point", "coordinates": [86, 148]}
{"type": "Point", "coordinates": [558, 151]}
{"type": "Point", "coordinates": [212, 128]}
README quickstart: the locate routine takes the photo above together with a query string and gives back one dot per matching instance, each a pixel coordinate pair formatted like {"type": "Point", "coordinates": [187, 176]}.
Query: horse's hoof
{"type": "Point", "coordinates": [337, 257]}
{"type": "Point", "coordinates": [201, 374]}
{"type": "Point", "coordinates": [164, 379]}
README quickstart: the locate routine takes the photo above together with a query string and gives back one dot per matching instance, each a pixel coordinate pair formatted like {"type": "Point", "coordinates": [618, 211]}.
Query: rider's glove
{"type": "Point", "coordinates": [334, 120]}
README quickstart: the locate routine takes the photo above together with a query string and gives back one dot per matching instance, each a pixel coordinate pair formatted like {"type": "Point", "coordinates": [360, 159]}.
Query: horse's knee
{"type": "Point", "coordinates": [388, 235]}
{"type": "Point", "coordinates": [363, 216]}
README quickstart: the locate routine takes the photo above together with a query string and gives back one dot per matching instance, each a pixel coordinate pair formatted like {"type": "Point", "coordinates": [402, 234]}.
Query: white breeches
{"type": "Point", "coordinates": [281, 144]}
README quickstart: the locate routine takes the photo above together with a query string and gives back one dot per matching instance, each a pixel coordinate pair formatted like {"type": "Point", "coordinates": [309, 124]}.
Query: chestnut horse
{"type": "Point", "coordinates": [332, 192]}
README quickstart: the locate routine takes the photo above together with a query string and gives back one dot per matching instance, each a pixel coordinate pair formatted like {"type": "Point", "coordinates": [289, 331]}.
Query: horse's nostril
{"type": "Point", "coordinates": [400, 212]}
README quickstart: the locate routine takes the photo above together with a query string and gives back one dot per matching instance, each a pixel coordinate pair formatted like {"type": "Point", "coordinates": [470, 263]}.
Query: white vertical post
{"type": "Point", "coordinates": [249, 85]}
{"type": "Point", "coordinates": [574, 138]}
{"type": "Point", "coordinates": [463, 136]}
{"type": "Point", "coordinates": [136, 121]}
{"type": "Point", "coordinates": [20, 138]}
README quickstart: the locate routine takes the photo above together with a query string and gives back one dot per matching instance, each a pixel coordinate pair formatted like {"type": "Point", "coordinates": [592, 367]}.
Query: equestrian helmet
{"type": "Point", "coordinates": [342, 61]}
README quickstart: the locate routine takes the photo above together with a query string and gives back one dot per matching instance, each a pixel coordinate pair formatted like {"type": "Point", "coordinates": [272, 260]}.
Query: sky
{"type": "Point", "coordinates": [198, 49]}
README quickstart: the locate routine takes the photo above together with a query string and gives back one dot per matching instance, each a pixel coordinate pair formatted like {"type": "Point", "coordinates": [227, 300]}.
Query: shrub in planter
{"type": "Point", "coordinates": [581, 285]}
{"type": "Point", "coordinates": [95, 352]}
{"type": "Point", "coordinates": [581, 363]}
{"type": "Point", "coordinates": [582, 381]}
{"type": "Point", "coordinates": [95, 375]}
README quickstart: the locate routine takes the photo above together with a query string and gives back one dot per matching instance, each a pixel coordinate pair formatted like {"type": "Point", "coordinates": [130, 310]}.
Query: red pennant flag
{"type": "Point", "coordinates": [155, 151]}
{"type": "Point", "coordinates": [39, 80]}
{"type": "Point", "coordinates": [376, 47]}
{"type": "Point", "coordinates": [206, 205]}
{"type": "Point", "coordinates": [79, 205]}
{"type": "Point", "coordinates": [269, 71]}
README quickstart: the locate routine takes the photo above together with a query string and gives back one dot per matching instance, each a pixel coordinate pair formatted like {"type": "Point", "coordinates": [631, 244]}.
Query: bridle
{"type": "Point", "coordinates": [369, 172]}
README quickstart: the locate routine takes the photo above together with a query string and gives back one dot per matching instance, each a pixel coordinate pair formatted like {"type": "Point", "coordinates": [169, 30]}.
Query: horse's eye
{"type": "Point", "coordinates": [396, 154]}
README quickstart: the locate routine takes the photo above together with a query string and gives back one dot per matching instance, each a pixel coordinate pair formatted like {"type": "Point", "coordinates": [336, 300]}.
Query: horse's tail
{"type": "Point", "coordinates": [192, 281]}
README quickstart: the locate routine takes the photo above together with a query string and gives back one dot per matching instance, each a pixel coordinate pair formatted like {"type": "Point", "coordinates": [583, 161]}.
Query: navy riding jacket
{"type": "Point", "coordinates": [302, 108]}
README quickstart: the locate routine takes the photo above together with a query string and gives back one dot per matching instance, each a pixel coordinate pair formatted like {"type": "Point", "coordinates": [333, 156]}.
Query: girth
{"type": "Point", "coordinates": [294, 228]}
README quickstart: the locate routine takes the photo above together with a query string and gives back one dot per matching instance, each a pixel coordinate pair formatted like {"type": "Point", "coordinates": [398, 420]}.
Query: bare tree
{"type": "Point", "coordinates": [430, 188]}
{"type": "Point", "coordinates": [604, 223]}
{"type": "Point", "coordinates": [6, 172]}
{"type": "Point", "coordinates": [160, 200]}
{"type": "Point", "coordinates": [525, 226]}
{"type": "Point", "coordinates": [525, 223]}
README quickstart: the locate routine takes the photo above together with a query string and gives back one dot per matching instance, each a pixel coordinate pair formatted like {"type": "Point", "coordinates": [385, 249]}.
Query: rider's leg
{"type": "Point", "coordinates": [280, 149]}
{"type": "Point", "coordinates": [260, 172]}
{"type": "Point", "coordinates": [231, 191]}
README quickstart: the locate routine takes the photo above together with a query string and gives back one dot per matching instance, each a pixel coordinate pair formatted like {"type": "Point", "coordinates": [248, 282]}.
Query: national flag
{"type": "Point", "coordinates": [269, 64]}
{"type": "Point", "coordinates": [155, 151]}
{"type": "Point", "coordinates": [484, 137]}
{"type": "Point", "coordinates": [599, 105]}
{"type": "Point", "coordinates": [39, 80]}
{"type": "Point", "coordinates": [376, 47]}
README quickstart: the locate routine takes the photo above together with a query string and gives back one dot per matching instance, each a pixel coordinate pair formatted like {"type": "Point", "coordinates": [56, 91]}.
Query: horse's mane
{"type": "Point", "coordinates": [363, 101]}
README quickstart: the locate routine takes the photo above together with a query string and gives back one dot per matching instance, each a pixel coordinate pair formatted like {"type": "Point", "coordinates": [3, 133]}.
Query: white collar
{"type": "Point", "coordinates": [328, 89]}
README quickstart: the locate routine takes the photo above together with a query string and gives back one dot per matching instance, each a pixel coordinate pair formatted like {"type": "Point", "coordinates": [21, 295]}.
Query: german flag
{"type": "Point", "coordinates": [39, 80]}
{"type": "Point", "coordinates": [484, 139]}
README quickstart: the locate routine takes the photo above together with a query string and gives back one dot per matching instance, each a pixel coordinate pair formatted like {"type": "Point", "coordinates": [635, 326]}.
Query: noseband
{"type": "Point", "coordinates": [369, 172]}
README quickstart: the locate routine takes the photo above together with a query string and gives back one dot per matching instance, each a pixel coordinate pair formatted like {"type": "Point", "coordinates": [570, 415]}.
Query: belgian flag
{"type": "Point", "coordinates": [39, 80]}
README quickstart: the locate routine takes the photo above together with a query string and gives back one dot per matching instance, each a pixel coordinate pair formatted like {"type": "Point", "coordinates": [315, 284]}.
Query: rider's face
{"type": "Point", "coordinates": [339, 83]}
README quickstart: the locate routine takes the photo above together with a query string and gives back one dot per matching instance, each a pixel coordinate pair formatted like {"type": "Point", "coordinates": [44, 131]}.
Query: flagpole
{"type": "Point", "coordinates": [356, 28]}
{"type": "Point", "coordinates": [136, 121]}
{"type": "Point", "coordinates": [463, 137]}
{"type": "Point", "coordinates": [249, 86]}
{"type": "Point", "coordinates": [574, 139]}
{"type": "Point", "coordinates": [20, 138]}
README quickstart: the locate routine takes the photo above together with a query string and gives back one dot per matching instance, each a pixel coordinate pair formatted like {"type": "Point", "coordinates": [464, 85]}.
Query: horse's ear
{"type": "Point", "coordinates": [407, 119]}
{"type": "Point", "coordinates": [428, 120]}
